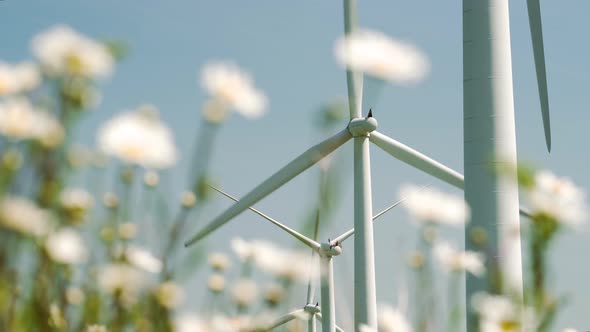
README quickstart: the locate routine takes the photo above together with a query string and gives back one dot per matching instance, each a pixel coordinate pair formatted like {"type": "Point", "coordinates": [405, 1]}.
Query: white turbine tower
{"type": "Point", "coordinates": [489, 132]}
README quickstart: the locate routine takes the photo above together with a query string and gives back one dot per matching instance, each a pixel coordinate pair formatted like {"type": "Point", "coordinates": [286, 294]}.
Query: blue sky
{"type": "Point", "coordinates": [288, 47]}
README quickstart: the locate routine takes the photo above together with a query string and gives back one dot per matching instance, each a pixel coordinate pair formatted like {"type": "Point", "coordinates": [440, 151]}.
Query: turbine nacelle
{"type": "Point", "coordinates": [362, 126]}
{"type": "Point", "coordinates": [330, 249]}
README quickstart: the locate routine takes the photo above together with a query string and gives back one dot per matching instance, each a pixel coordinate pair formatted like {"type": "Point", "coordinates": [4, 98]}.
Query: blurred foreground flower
{"type": "Point", "coordinates": [76, 202]}
{"type": "Point", "coordinates": [66, 246]}
{"type": "Point", "coordinates": [63, 51]}
{"type": "Point", "coordinates": [18, 78]}
{"type": "Point", "coordinates": [499, 313]}
{"type": "Point", "coordinates": [390, 319]}
{"type": "Point", "coordinates": [458, 261]}
{"type": "Point", "coordinates": [377, 55]}
{"type": "Point", "coordinates": [143, 259]}
{"type": "Point", "coordinates": [123, 279]}
{"type": "Point", "coordinates": [557, 198]}
{"type": "Point", "coordinates": [431, 205]}
{"type": "Point", "coordinates": [244, 292]}
{"type": "Point", "coordinates": [230, 87]}
{"type": "Point", "coordinates": [289, 265]}
{"type": "Point", "coordinates": [139, 138]}
{"type": "Point", "coordinates": [21, 215]}
{"type": "Point", "coordinates": [20, 120]}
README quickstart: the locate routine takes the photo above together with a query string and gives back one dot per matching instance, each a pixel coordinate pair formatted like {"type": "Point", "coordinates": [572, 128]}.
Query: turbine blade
{"type": "Point", "coordinates": [534, 10]}
{"type": "Point", "coordinates": [354, 80]}
{"type": "Point", "coordinates": [285, 319]}
{"type": "Point", "coordinates": [291, 170]}
{"type": "Point", "coordinates": [417, 159]}
{"type": "Point", "coordinates": [310, 283]}
{"type": "Point", "coordinates": [304, 239]}
{"type": "Point", "coordinates": [318, 316]}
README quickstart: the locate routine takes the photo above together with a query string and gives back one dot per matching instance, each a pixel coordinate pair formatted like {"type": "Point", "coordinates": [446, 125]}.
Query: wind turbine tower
{"type": "Point", "coordinates": [489, 133]}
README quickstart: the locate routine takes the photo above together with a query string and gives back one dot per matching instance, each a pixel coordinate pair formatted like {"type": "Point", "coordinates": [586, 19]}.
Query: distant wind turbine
{"type": "Point", "coordinates": [326, 251]}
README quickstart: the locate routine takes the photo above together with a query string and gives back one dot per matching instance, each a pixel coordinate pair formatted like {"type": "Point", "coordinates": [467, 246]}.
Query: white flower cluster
{"type": "Point", "coordinates": [287, 264]}
{"type": "Point", "coordinates": [140, 138]}
{"type": "Point", "coordinates": [18, 78]}
{"type": "Point", "coordinates": [230, 88]}
{"type": "Point", "coordinates": [63, 51]}
{"type": "Point", "coordinates": [375, 54]}
{"type": "Point", "coordinates": [558, 198]}
{"type": "Point", "coordinates": [389, 319]}
{"type": "Point", "coordinates": [457, 261]}
{"type": "Point", "coordinates": [20, 120]}
{"type": "Point", "coordinates": [22, 215]}
{"type": "Point", "coordinates": [431, 205]}
{"type": "Point", "coordinates": [498, 313]}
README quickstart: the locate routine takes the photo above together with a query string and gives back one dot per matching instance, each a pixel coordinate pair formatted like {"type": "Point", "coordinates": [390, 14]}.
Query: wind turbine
{"type": "Point", "coordinates": [362, 130]}
{"type": "Point", "coordinates": [326, 251]}
{"type": "Point", "coordinates": [489, 131]}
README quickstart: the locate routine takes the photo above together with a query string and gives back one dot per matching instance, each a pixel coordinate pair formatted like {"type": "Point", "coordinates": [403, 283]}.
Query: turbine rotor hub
{"type": "Point", "coordinates": [311, 308]}
{"type": "Point", "coordinates": [362, 126]}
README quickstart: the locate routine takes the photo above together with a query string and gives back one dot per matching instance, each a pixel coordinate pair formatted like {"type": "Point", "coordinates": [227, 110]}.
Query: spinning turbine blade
{"type": "Point", "coordinates": [414, 158]}
{"type": "Point", "coordinates": [318, 316]}
{"type": "Point", "coordinates": [287, 318]}
{"type": "Point", "coordinates": [310, 284]}
{"type": "Point", "coordinates": [291, 170]}
{"type": "Point", "coordinates": [417, 159]}
{"type": "Point", "coordinates": [534, 10]}
{"type": "Point", "coordinates": [307, 241]}
{"type": "Point", "coordinates": [350, 232]}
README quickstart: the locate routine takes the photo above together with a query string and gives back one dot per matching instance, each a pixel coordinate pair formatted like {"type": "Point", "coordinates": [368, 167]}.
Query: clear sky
{"type": "Point", "coordinates": [288, 47]}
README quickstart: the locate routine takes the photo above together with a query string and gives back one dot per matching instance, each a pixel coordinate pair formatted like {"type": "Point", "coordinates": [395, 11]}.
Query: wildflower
{"type": "Point", "coordinates": [366, 328]}
{"type": "Point", "coordinates": [243, 249]}
{"type": "Point", "coordinates": [188, 199]}
{"type": "Point", "coordinates": [557, 198]}
{"type": "Point", "coordinates": [215, 111]}
{"type": "Point", "coordinates": [376, 54]}
{"type": "Point", "coordinates": [244, 292]}
{"type": "Point", "coordinates": [75, 295]}
{"type": "Point", "coordinates": [79, 156]}
{"type": "Point", "coordinates": [23, 216]}
{"type": "Point", "coordinates": [496, 313]}
{"type": "Point", "coordinates": [56, 316]}
{"type": "Point", "coordinates": [392, 320]}
{"type": "Point", "coordinates": [274, 294]}
{"type": "Point", "coordinates": [127, 230]}
{"type": "Point", "coordinates": [229, 85]}
{"type": "Point", "coordinates": [431, 205]}
{"type": "Point", "coordinates": [289, 265]}
{"type": "Point", "coordinates": [458, 261]}
{"type": "Point", "coordinates": [143, 259]}
{"type": "Point", "coordinates": [20, 120]}
{"type": "Point", "coordinates": [169, 294]}
{"type": "Point", "coordinates": [110, 200]}
{"type": "Point", "coordinates": [216, 283]}
{"type": "Point", "coordinates": [123, 279]}
{"type": "Point", "coordinates": [63, 51]}
{"type": "Point", "coordinates": [139, 138]}
{"type": "Point", "coordinates": [190, 323]}
{"type": "Point", "coordinates": [218, 261]}
{"type": "Point", "coordinates": [66, 246]}
{"type": "Point", "coordinates": [18, 78]}
{"type": "Point", "coordinates": [76, 202]}
{"type": "Point", "coordinates": [96, 328]}
{"type": "Point", "coordinates": [151, 179]}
